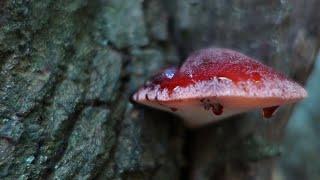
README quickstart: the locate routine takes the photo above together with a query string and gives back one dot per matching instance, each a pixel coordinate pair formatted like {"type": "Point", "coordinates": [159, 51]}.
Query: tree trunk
{"type": "Point", "coordinates": [68, 69]}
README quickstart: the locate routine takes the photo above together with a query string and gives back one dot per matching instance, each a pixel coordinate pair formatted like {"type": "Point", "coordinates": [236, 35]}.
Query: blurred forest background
{"type": "Point", "coordinates": [68, 68]}
{"type": "Point", "coordinates": [301, 156]}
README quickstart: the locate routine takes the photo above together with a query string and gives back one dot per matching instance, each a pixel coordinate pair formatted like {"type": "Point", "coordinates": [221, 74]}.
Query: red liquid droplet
{"type": "Point", "coordinates": [217, 109]}
{"type": "Point", "coordinates": [269, 111]}
{"type": "Point", "coordinates": [164, 75]}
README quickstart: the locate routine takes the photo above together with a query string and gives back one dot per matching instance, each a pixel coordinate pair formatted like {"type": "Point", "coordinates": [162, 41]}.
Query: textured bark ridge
{"type": "Point", "coordinates": [67, 70]}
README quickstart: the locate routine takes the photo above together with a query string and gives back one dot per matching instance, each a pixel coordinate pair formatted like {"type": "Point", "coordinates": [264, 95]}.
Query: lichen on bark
{"type": "Point", "coordinates": [65, 82]}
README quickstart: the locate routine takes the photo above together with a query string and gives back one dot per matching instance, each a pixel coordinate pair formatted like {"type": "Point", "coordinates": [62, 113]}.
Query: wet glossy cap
{"type": "Point", "coordinates": [216, 83]}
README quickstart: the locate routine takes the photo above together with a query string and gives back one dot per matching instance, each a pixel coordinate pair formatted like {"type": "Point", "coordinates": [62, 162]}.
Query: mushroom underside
{"type": "Point", "coordinates": [199, 111]}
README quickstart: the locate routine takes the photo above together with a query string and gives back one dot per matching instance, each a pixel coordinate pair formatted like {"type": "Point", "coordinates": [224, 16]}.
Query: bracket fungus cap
{"type": "Point", "coordinates": [216, 83]}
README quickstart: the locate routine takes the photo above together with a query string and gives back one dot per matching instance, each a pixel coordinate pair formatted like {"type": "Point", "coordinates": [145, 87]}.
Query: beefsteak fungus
{"type": "Point", "coordinates": [215, 83]}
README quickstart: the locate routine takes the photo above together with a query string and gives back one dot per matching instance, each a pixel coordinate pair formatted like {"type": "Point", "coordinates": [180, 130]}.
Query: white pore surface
{"type": "Point", "coordinates": [223, 87]}
{"type": "Point", "coordinates": [234, 97]}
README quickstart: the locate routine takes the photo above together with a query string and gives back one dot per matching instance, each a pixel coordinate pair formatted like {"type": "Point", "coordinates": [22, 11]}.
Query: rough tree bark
{"type": "Point", "coordinates": [69, 67]}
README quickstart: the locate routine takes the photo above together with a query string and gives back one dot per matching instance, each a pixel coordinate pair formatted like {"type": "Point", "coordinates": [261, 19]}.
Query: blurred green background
{"type": "Point", "coordinates": [301, 157]}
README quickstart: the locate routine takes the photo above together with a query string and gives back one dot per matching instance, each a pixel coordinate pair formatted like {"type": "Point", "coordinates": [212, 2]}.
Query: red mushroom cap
{"type": "Point", "coordinates": [216, 83]}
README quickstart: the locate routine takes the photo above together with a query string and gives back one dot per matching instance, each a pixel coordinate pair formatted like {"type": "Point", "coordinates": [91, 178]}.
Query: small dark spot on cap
{"type": "Point", "coordinates": [219, 79]}
{"type": "Point", "coordinates": [147, 97]}
{"type": "Point", "coordinates": [206, 103]}
{"type": "Point", "coordinates": [173, 109]}
{"type": "Point", "coordinates": [217, 108]}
